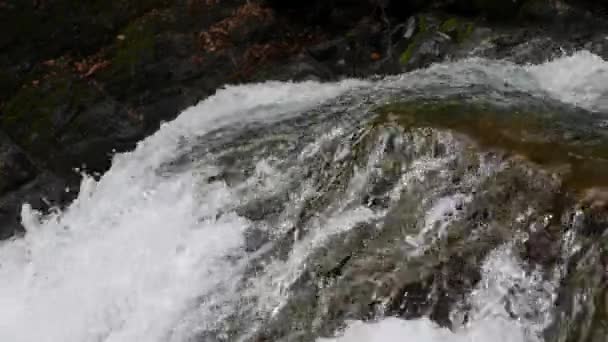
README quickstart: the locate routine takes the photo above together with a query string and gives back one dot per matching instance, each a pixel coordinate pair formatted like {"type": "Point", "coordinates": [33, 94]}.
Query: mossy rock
{"type": "Point", "coordinates": [427, 27]}
{"type": "Point", "coordinates": [459, 30]}
{"type": "Point", "coordinates": [36, 115]}
{"type": "Point", "coordinates": [422, 27]}
{"type": "Point", "coordinates": [425, 49]}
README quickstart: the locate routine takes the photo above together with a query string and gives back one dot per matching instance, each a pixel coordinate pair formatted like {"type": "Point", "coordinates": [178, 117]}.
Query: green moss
{"type": "Point", "coordinates": [405, 57]}
{"type": "Point", "coordinates": [35, 115]}
{"type": "Point", "coordinates": [423, 25]}
{"type": "Point", "coordinates": [450, 25]}
{"type": "Point", "coordinates": [468, 30]}
{"type": "Point", "coordinates": [137, 46]}
{"type": "Point", "coordinates": [457, 29]}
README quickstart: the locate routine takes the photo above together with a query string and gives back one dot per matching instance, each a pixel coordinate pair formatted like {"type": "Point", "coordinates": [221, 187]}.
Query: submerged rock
{"type": "Point", "coordinates": [442, 199]}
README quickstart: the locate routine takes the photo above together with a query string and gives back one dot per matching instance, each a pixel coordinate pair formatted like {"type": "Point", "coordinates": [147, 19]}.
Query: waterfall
{"type": "Point", "coordinates": [270, 211]}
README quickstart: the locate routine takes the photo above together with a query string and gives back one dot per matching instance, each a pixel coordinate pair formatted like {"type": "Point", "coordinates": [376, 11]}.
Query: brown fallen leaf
{"type": "Point", "coordinates": [96, 67]}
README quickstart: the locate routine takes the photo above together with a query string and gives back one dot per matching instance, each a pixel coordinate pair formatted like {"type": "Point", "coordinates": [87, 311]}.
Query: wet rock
{"type": "Point", "coordinates": [262, 209]}
{"type": "Point", "coordinates": [427, 48]}
{"type": "Point", "coordinates": [454, 279]}
{"type": "Point", "coordinates": [542, 247]}
{"type": "Point", "coordinates": [68, 126]}
{"type": "Point", "coordinates": [458, 29]}
{"type": "Point", "coordinates": [95, 134]}
{"type": "Point", "coordinates": [304, 68]}
{"type": "Point", "coordinates": [595, 222]}
{"type": "Point", "coordinates": [255, 238]}
{"type": "Point", "coordinates": [581, 305]}
{"type": "Point", "coordinates": [384, 268]}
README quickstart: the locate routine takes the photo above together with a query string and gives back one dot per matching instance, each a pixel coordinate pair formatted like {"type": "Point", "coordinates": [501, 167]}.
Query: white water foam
{"type": "Point", "coordinates": [580, 79]}
{"type": "Point", "coordinates": [135, 251]}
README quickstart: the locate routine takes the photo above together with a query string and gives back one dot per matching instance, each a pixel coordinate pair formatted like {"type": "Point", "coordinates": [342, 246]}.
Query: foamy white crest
{"type": "Point", "coordinates": [580, 79]}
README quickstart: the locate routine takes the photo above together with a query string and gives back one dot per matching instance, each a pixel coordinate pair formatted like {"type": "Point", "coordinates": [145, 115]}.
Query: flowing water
{"type": "Point", "coordinates": [447, 204]}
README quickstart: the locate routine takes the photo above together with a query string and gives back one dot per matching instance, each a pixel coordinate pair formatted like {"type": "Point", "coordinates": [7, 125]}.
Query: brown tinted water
{"type": "Point", "coordinates": [551, 139]}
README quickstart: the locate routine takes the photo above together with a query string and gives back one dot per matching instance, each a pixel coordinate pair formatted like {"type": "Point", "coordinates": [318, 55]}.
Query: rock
{"type": "Point", "coordinates": [300, 68]}
{"type": "Point", "coordinates": [16, 168]}
{"type": "Point", "coordinates": [327, 50]}
{"type": "Point", "coordinates": [458, 29]}
{"type": "Point", "coordinates": [425, 49]}
{"type": "Point", "coordinates": [65, 123]}
{"type": "Point", "coordinates": [542, 247]}
{"type": "Point", "coordinates": [93, 134]}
